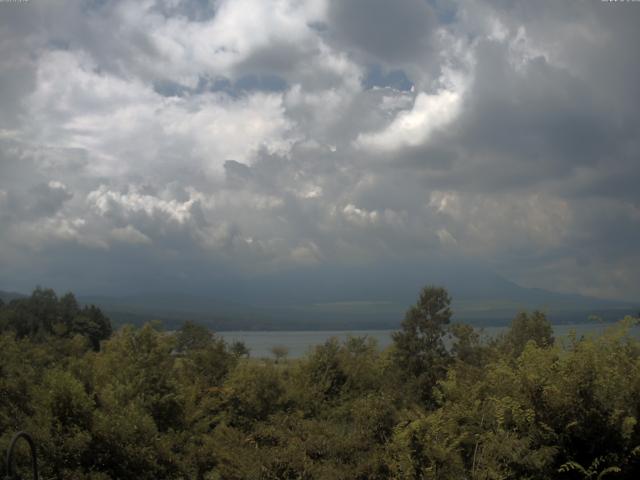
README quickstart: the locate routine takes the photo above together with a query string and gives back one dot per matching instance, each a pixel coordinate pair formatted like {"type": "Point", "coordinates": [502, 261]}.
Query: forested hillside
{"type": "Point", "coordinates": [139, 403]}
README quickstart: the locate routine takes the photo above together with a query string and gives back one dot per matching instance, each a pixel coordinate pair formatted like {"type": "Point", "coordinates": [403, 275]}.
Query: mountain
{"type": "Point", "coordinates": [353, 298]}
{"type": "Point", "coordinates": [342, 298]}
{"type": "Point", "coordinates": [6, 297]}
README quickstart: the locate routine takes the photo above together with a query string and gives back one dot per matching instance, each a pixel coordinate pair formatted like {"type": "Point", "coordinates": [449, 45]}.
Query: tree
{"type": "Point", "coordinates": [44, 315]}
{"type": "Point", "coordinates": [527, 327]}
{"type": "Point", "coordinates": [324, 371]}
{"type": "Point", "coordinates": [280, 352]}
{"type": "Point", "coordinates": [137, 363]}
{"type": "Point", "coordinates": [253, 392]}
{"type": "Point", "coordinates": [419, 345]}
{"type": "Point", "coordinates": [91, 323]}
{"type": "Point", "coordinates": [467, 345]}
{"type": "Point", "coordinates": [193, 336]}
{"type": "Point", "coordinates": [239, 349]}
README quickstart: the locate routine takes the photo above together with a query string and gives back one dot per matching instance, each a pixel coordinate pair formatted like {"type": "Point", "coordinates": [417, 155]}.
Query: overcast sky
{"type": "Point", "coordinates": [147, 143]}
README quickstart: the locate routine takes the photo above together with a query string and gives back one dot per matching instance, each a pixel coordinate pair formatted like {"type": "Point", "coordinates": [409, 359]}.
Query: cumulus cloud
{"type": "Point", "coordinates": [414, 127]}
{"type": "Point", "coordinates": [391, 32]}
{"type": "Point", "coordinates": [109, 203]}
{"type": "Point", "coordinates": [252, 136]}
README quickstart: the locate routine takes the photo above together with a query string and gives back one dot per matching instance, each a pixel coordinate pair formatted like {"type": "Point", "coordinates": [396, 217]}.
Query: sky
{"type": "Point", "coordinates": [173, 144]}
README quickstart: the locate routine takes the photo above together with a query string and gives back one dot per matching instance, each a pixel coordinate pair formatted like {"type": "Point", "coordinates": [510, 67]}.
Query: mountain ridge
{"type": "Point", "coordinates": [354, 298]}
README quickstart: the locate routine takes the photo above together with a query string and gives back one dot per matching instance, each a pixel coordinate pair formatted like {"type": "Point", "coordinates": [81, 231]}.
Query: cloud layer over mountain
{"type": "Point", "coordinates": [151, 143]}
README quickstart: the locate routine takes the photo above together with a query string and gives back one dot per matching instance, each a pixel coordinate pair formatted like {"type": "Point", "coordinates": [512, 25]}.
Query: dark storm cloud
{"type": "Point", "coordinates": [48, 198]}
{"type": "Point", "coordinates": [164, 141]}
{"type": "Point", "coordinates": [393, 32]}
{"type": "Point", "coordinates": [524, 126]}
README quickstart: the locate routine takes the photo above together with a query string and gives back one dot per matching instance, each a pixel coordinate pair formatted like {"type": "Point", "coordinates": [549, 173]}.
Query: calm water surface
{"type": "Point", "coordinates": [300, 343]}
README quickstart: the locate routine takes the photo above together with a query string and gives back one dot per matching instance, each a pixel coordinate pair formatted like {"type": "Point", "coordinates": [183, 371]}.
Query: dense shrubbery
{"type": "Point", "coordinates": [142, 404]}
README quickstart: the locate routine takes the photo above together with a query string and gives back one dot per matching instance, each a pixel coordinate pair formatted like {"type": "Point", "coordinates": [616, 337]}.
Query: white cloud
{"type": "Point", "coordinates": [186, 50]}
{"type": "Point", "coordinates": [359, 216]}
{"type": "Point", "coordinates": [126, 127]}
{"type": "Point", "coordinates": [56, 185]}
{"type": "Point", "coordinates": [108, 202]}
{"type": "Point", "coordinates": [410, 128]}
{"type": "Point", "coordinates": [387, 218]}
{"type": "Point", "coordinates": [39, 234]}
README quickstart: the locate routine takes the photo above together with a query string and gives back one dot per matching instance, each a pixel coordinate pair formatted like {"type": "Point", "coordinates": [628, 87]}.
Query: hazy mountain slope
{"type": "Point", "coordinates": [8, 296]}
{"type": "Point", "coordinates": [371, 297]}
{"type": "Point", "coordinates": [335, 297]}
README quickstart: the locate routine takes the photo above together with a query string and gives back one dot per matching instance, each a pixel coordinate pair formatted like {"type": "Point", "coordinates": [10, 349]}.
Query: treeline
{"type": "Point", "coordinates": [143, 404]}
{"type": "Point", "coordinates": [44, 315]}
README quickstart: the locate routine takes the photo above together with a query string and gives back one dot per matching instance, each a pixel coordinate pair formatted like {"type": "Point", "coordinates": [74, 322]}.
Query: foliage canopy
{"type": "Point", "coordinates": [143, 404]}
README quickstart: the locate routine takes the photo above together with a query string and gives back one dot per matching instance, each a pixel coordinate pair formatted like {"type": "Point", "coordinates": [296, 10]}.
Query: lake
{"type": "Point", "coordinates": [299, 343]}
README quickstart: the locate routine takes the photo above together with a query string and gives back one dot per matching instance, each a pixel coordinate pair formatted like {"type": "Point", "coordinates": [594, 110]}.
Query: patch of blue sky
{"type": "Point", "coordinates": [378, 77]}
{"type": "Point", "coordinates": [236, 88]}
{"type": "Point", "coordinates": [445, 10]}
